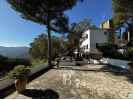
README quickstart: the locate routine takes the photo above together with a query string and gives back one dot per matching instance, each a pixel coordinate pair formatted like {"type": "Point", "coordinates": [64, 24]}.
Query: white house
{"type": "Point", "coordinates": [91, 37]}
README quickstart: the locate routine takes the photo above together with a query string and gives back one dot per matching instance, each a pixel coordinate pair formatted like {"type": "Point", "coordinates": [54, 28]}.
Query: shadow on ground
{"type": "Point", "coordinates": [41, 94]}
{"type": "Point", "coordinates": [82, 69]}
{"type": "Point", "coordinates": [117, 71]}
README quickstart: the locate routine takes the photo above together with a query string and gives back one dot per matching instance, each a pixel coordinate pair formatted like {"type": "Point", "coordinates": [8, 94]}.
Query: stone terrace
{"type": "Point", "coordinates": [83, 82]}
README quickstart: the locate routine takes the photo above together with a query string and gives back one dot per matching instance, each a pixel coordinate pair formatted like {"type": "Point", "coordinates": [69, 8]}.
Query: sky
{"type": "Point", "coordinates": [15, 31]}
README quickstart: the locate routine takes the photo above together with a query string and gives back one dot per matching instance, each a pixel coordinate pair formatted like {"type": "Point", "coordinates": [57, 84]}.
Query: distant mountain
{"type": "Point", "coordinates": [15, 52]}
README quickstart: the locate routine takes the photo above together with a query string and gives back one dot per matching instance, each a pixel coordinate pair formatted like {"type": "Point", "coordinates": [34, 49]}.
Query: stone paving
{"type": "Point", "coordinates": [78, 84]}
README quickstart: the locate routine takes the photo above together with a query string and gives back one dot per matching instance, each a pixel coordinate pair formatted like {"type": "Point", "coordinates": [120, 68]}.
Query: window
{"type": "Point", "coordinates": [87, 46]}
{"type": "Point", "coordinates": [86, 36]}
{"type": "Point", "coordinates": [105, 33]}
{"type": "Point", "coordinates": [96, 45]}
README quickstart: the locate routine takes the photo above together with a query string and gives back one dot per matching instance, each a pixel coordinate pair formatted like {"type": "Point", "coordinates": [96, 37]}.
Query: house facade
{"type": "Point", "coordinates": [124, 38]}
{"type": "Point", "coordinates": [108, 27]}
{"type": "Point", "coordinates": [91, 38]}
{"type": "Point", "coordinates": [108, 24]}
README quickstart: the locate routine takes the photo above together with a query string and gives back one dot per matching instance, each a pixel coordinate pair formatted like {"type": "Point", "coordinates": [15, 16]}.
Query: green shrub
{"type": "Point", "coordinates": [19, 72]}
{"type": "Point", "coordinates": [130, 53]}
{"type": "Point", "coordinates": [110, 51]}
{"type": "Point", "coordinates": [2, 62]}
{"type": "Point", "coordinates": [96, 56]}
{"type": "Point", "coordinates": [8, 64]}
{"type": "Point", "coordinates": [107, 49]}
{"type": "Point", "coordinates": [36, 62]}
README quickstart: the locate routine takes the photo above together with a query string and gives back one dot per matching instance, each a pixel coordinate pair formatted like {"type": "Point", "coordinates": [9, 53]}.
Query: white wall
{"type": "Point", "coordinates": [97, 36]}
{"type": "Point", "coordinates": [94, 36]}
{"type": "Point", "coordinates": [86, 41]}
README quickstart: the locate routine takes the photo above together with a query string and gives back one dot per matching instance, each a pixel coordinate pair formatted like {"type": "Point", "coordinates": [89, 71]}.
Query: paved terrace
{"type": "Point", "coordinates": [88, 81]}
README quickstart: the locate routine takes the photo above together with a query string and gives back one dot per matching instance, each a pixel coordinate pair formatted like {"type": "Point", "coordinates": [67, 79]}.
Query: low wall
{"type": "Point", "coordinates": [72, 63]}
{"type": "Point", "coordinates": [8, 86]}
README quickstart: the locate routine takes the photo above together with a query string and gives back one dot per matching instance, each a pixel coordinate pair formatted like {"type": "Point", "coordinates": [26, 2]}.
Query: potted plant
{"type": "Point", "coordinates": [20, 73]}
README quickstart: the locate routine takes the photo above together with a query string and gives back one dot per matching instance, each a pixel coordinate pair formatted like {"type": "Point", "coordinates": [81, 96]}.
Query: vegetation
{"type": "Point", "coordinates": [46, 12]}
{"type": "Point", "coordinates": [93, 55]}
{"type": "Point", "coordinates": [37, 62]}
{"type": "Point", "coordinates": [111, 51]}
{"type": "Point", "coordinates": [130, 53]}
{"type": "Point", "coordinates": [75, 34]}
{"type": "Point", "coordinates": [19, 72]}
{"type": "Point", "coordinates": [39, 47]}
{"type": "Point", "coordinates": [7, 64]}
{"type": "Point", "coordinates": [123, 16]}
{"type": "Point", "coordinates": [123, 10]}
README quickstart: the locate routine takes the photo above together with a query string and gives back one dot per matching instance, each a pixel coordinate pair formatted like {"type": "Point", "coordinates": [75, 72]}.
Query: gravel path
{"type": "Point", "coordinates": [78, 84]}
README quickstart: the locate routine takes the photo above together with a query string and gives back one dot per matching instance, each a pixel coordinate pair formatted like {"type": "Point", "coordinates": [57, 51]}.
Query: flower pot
{"type": "Point", "coordinates": [20, 85]}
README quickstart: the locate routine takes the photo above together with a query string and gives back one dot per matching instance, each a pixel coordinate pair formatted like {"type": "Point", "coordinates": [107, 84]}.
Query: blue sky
{"type": "Point", "coordinates": [15, 31]}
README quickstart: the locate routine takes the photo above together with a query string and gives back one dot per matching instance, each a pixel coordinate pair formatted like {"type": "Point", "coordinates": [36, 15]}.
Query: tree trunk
{"type": "Point", "coordinates": [120, 35]}
{"type": "Point", "coordinates": [49, 42]}
{"type": "Point", "coordinates": [131, 37]}
{"type": "Point", "coordinates": [78, 52]}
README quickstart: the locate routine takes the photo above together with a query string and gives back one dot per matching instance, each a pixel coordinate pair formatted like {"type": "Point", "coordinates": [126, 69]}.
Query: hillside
{"type": "Point", "coordinates": [14, 52]}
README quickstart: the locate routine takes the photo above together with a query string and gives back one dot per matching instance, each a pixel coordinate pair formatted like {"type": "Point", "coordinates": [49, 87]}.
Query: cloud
{"type": "Point", "coordinates": [12, 44]}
